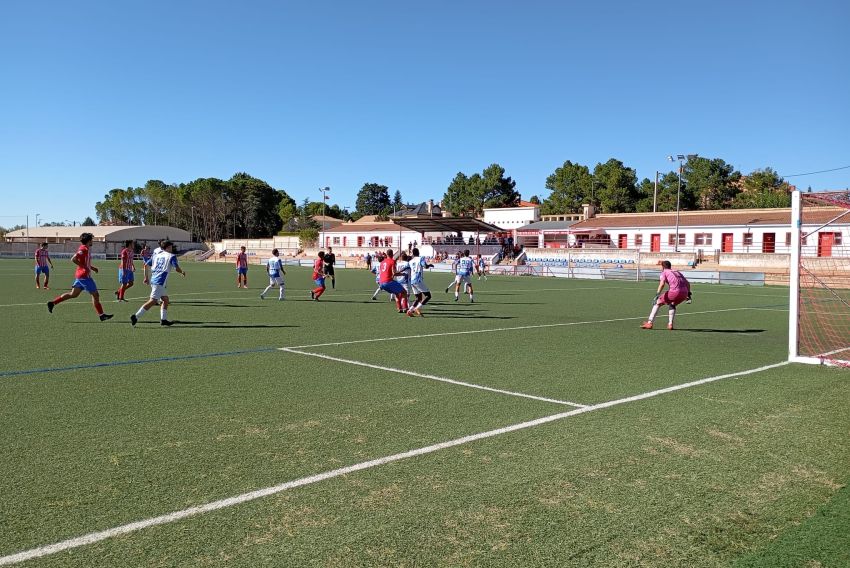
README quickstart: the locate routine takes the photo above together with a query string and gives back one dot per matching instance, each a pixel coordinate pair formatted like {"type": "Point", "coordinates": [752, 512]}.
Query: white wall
{"type": "Point", "coordinates": [780, 233]}
{"type": "Point", "coordinates": [511, 217]}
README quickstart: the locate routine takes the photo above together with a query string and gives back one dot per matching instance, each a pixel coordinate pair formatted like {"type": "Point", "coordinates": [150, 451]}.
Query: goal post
{"type": "Point", "coordinates": [819, 279]}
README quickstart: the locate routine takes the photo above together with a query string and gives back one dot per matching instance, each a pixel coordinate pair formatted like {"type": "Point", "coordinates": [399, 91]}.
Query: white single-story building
{"type": "Point", "coordinates": [763, 231]}
{"type": "Point", "coordinates": [102, 233]}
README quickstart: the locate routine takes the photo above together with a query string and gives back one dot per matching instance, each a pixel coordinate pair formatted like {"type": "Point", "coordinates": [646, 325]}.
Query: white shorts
{"type": "Point", "coordinates": [158, 291]}
{"type": "Point", "coordinates": [276, 281]}
{"type": "Point", "coordinates": [420, 288]}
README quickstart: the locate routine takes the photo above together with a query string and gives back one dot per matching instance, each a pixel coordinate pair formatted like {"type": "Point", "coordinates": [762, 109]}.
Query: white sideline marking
{"type": "Point", "coordinates": [434, 378]}
{"type": "Point", "coordinates": [98, 536]}
{"type": "Point", "coordinates": [495, 329]}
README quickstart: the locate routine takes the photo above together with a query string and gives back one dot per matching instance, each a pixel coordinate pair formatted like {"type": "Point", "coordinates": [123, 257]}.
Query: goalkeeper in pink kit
{"type": "Point", "coordinates": [679, 290]}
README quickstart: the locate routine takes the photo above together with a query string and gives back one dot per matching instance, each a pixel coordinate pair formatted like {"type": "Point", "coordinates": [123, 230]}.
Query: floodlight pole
{"type": "Point", "coordinates": [655, 194]}
{"type": "Point", "coordinates": [324, 191]}
{"type": "Point", "coordinates": [681, 158]}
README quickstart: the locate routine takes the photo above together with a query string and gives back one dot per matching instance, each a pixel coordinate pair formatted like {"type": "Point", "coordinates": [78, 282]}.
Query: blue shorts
{"type": "Point", "coordinates": [86, 284]}
{"type": "Point", "coordinates": [125, 277]}
{"type": "Point", "coordinates": [42, 270]}
{"type": "Point", "coordinates": [241, 271]}
{"type": "Point", "coordinates": [393, 287]}
{"type": "Point", "coordinates": [320, 282]}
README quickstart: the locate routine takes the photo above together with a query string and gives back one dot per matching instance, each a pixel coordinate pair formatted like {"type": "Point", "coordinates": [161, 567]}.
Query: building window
{"type": "Point", "coordinates": [837, 240]}
{"type": "Point", "coordinates": [671, 239]}
{"type": "Point", "coordinates": [748, 239]}
{"type": "Point", "coordinates": [787, 239]}
{"type": "Point", "coordinates": [336, 240]}
{"type": "Point", "coordinates": [702, 239]}
{"type": "Point", "coordinates": [638, 240]}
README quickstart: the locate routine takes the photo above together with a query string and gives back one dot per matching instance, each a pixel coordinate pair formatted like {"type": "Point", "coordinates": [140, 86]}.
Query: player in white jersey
{"type": "Point", "coordinates": [274, 267]}
{"type": "Point", "coordinates": [162, 263]}
{"type": "Point", "coordinates": [402, 269]}
{"type": "Point", "coordinates": [482, 267]}
{"type": "Point", "coordinates": [417, 283]}
{"type": "Point", "coordinates": [455, 280]}
{"type": "Point", "coordinates": [465, 267]}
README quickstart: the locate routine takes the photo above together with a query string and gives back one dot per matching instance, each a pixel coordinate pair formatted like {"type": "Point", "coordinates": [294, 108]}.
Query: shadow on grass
{"type": "Point", "coordinates": [214, 305]}
{"type": "Point", "coordinates": [452, 315]}
{"type": "Point", "coordinates": [226, 325]}
{"type": "Point", "coordinates": [706, 330]}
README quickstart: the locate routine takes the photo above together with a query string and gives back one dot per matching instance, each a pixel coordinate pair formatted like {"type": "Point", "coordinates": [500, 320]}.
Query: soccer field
{"type": "Point", "coordinates": [538, 426]}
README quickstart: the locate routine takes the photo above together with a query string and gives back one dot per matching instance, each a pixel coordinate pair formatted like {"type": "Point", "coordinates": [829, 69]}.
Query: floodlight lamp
{"type": "Point", "coordinates": [692, 156]}
{"type": "Point", "coordinates": [670, 158]}
{"type": "Point", "coordinates": [680, 157]}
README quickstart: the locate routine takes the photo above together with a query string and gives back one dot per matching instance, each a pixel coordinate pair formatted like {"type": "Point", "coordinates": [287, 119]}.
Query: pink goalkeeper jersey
{"type": "Point", "coordinates": [677, 282]}
{"type": "Point", "coordinates": [41, 256]}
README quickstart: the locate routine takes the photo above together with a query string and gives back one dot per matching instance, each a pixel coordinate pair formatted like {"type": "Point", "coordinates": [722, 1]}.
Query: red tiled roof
{"type": "Point", "coordinates": [726, 217]}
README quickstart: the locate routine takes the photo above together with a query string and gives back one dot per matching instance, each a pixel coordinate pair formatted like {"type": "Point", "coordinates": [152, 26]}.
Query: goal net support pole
{"type": "Point", "coordinates": [794, 281]}
{"type": "Point", "coordinates": [819, 279]}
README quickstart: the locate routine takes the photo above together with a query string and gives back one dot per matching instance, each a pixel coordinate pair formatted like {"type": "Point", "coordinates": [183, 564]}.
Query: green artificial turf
{"type": "Point", "coordinates": [103, 424]}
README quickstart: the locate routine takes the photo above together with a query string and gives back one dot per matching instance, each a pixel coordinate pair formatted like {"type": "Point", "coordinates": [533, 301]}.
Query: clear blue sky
{"type": "Point", "coordinates": [98, 95]}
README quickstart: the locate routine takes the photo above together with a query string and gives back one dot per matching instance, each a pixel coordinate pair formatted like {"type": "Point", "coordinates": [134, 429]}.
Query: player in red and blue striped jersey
{"type": "Point", "coordinates": [83, 279]}
{"type": "Point", "coordinates": [42, 258]}
{"type": "Point", "coordinates": [126, 269]}
{"type": "Point", "coordinates": [386, 276]}
{"type": "Point", "coordinates": [242, 269]}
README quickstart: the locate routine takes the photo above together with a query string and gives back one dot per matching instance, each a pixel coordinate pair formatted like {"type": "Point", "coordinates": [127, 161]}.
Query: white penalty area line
{"type": "Point", "coordinates": [497, 329]}
{"type": "Point", "coordinates": [99, 536]}
{"type": "Point", "coordinates": [433, 378]}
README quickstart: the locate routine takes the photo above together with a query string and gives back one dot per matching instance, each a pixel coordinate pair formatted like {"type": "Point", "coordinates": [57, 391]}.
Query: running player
{"type": "Point", "coordinates": [42, 258]}
{"type": "Point", "coordinates": [417, 283]}
{"type": "Point", "coordinates": [464, 275]}
{"type": "Point", "coordinates": [318, 277]}
{"type": "Point", "coordinates": [481, 266]}
{"type": "Point", "coordinates": [274, 267]}
{"type": "Point", "coordinates": [126, 270]}
{"type": "Point", "coordinates": [330, 259]}
{"type": "Point", "coordinates": [679, 290]}
{"type": "Point", "coordinates": [455, 280]}
{"type": "Point", "coordinates": [387, 273]}
{"type": "Point", "coordinates": [83, 279]}
{"type": "Point", "coordinates": [242, 269]}
{"type": "Point", "coordinates": [162, 263]}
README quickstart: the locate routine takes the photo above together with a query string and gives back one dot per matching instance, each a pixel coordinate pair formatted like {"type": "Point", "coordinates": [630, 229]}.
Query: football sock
{"type": "Point", "coordinates": [652, 313]}
{"type": "Point", "coordinates": [163, 313]}
{"type": "Point", "coordinates": [98, 308]}
{"type": "Point", "coordinates": [141, 312]}
{"type": "Point", "coordinates": [58, 300]}
{"type": "Point", "coordinates": [671, 314]}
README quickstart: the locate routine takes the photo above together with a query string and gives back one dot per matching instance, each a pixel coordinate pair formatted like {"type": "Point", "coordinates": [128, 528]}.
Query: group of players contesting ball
{"type": "Point", "coordinates": [402, 276]}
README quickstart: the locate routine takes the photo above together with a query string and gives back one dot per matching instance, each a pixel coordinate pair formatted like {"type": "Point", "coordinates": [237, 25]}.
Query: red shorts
{"type": "Point", "coordinates": [672, 299]}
